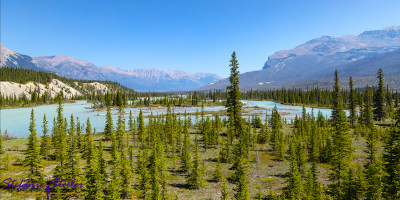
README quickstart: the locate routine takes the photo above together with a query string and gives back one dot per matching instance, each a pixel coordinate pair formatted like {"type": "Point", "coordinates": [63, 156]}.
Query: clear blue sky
{"type": "Point", "coordinates": [194, 36]}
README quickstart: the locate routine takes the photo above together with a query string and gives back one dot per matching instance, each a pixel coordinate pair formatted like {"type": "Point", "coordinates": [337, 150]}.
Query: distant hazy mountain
{"type": "Point", "coordinates": [358, 56]}
{"type": "Point", "coordinates": [137, 79]}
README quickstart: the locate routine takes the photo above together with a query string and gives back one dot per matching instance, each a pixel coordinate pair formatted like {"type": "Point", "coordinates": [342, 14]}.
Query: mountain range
{"type": "Point", "coordinates": [307, 65]}
{"type": "Point", "coordinates": [314, 62]}
{"type": "Point", "coordinates": [137, 79]}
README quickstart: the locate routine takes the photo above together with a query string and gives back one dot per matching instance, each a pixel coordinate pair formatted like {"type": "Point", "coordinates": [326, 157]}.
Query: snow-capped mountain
{"type": "Point", "coordinates": [353, 55]}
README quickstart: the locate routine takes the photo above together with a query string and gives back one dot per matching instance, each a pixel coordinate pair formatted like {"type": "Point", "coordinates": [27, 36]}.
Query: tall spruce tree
{"type": "Point", "coordinates": [294, 188]}
{"type": "Point", "coordinates": [108, 129]}
{"type": "Point", "coordinates": [185, 154]}
{"type": "Point", "coordinates": [373, 168]}
{"type": "Point", "coordinates": [391, 158]}
{"type": "Point", "coordinates": [94, 177]}
{"type": "Point", "coordinates": [141, 128]}
{"type": "Point", "coordinates": [88, 141]}
{"type": "Point", "coordinates": [195, 178]}
{"type": "Point", "coordinates": [233, 103]}
{"type": "Point", "coordinates": [241, 188]}
{"type": "Point", "coordinates": [342, 143]}
{"type": "Point", "coordinates": [33, 158]}
{"type": "Point", "coordinates": [380, 98]}
{"type": "Point", "coordinates": [352, 99]}
{"type": "Point", "coordinates": [45, 144]}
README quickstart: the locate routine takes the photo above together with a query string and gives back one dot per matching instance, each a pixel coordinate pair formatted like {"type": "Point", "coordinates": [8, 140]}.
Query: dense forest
{"type": "Point", "coordinates": [219, 157]}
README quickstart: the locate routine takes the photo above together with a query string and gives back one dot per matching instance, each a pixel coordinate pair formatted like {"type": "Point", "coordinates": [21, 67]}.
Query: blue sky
{"type": "Point", "coordinates": [194, 36]}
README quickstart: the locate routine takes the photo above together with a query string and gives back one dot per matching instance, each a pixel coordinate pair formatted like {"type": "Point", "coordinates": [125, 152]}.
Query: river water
{"type": "Point", "coordinates": [16, 121]}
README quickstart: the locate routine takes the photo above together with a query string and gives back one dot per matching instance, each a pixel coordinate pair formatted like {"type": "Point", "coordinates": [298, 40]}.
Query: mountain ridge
{"type": "Point", "coordinates": [137, 79]}
{"type": "Point", "coordinates": [319, 57]}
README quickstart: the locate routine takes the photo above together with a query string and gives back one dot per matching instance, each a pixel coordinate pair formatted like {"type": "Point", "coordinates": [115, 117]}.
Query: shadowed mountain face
{"type": "Point", "coordinates": [358, 56]}
{"type": "Point", "coordinates": [137, 79]}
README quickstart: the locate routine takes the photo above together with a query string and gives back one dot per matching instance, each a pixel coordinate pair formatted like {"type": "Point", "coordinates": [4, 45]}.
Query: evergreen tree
{"type": "Point", "coordinates": [391, 158]}
{"type": "Point", "coordinates": [294, 188]}
{"type": "Point", "coordinates": [352, 185]}
{"type": "Point", "coordinates": [373, 167]}
{"type": "Point", "coordinates": [380, 98]}
{"type": "Point", "coordinates": [108, 129]}
{"type": "Point", "coordinates": [185, 154]}
{"type": "Point", "coordinates": [114, 187]}
{"type": "Point", "coordinates": [352, 106]}
{"type": "Point", "coordinates": [217, 172]}
{"type": "Point", "coordinates": [342, 143]}
{"type": "Point", "coordinates": [195, 178]}
{"type": "Point", "coordinates": [33, 158]}
{"type": "Point", "coordinates": [142, 170]}
{"type": "Point", "coordinates": [241, 189]}
{"type": "Point", "coordinates": [94, 177]}
{"type": "Point", "coordinates": [45, 144]}
{"type": "Point", "coordinates": [155, 175]}
{"type": "Point", "coordinates": [224, 191]}
{"type": "Point", "coordinates": [277, 137]}
{"type": "Point", "coordinates": [120, 127]}
{"type": "Point", "coordinates": [88, 141]}
{"type": "Point", "coordinates": [125, 174]}
{"type": "Point", "coordinates": [60, 138]}
{"type": "Point", "coordinates": [233, 103]}
{"type": "Point", "coordinates": [314, 190]}
{"type": "Point", "coordinates": [73, 170]}
{"type": "Point", "coordinates": [102, 161]}
{"type": "Point", "coordinates": [141, 127]}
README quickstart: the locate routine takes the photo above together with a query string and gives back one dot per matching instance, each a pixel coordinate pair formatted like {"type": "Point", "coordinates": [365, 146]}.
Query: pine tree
{"type": "Point", "coordinates": [352, 106]}
{"type": "Point", "coordinates": [233, 103]}
{"type": "Point", "coordinates": [373, 168]}
{"type": "Point", "coordinates": [143, 170]}
{"type": "Point", "coordinates": [60, 138]}
{"type": "Point", "coordinates": [108, 129]}
{"type": "Point", "coordinates": [120, 127]}
{"type": "Point", "coordinates": [185, 154]}
{"type": "Point", "coordinates": [33, 158]}
{"type": "Point", "coordinates": [94, 177]}
{"type": "Point", "coordinates": [195, 178]}
{"type": "Point", "coordinates": [342, 143]}
{"type": "Point", "coordinates": [114, 187]}
{"type": "Point", "coordinates": [125, 174]}
{"type": "Point", "coordinates": [277, 134]}
{"type": "Point", "coordinates": [294, 188]}
{"type": "Point", "coordinates": [217, 172]}
{"type": "Point", "coordinates": [73, 170]}
{"type": "Point", "coordinates": [314, 190]}
{"type": "Point", "coordinates": [141, 127]}
{"type": "Point", "coordinates": [224, 191]}
{"type": "Point", "coordinates": [45, 144]}
{"type": "Point", "coordinates": [380, 98]}
{"type": "Point", "coordinates": [102, 161]}
{"type": "Point", "coordinates": [155, 175]}
{"type": "Point", "coordinates": [391, 158]}
{"type": "Point", "coordinates": [241, 189]}
{"type": "Point", "coordinates": [88, 141]}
